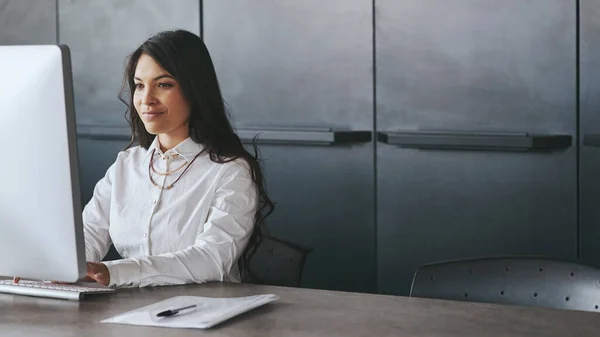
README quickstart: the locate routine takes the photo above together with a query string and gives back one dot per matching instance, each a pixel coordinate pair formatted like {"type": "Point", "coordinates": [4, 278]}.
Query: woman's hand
{"type": "Point", "coordinates": [97, 272]}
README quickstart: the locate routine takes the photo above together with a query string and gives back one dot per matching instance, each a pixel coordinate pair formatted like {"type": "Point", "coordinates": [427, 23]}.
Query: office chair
{"type": "Point", "coordinates": [112, 254]}
{"type": "Point", "coordinates": [275, 262]}
{"type": "Point", "coordinates": [526, 281]}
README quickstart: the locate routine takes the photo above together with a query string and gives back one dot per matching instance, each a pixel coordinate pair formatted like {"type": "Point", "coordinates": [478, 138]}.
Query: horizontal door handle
{"type": "Point", "coordinates": [302, 136]}
{"type": "Point", "coordinates": [263, 135]}
{"type": "Point", "coordinates": [591, 139]}
{"type": "Point", "coordinates": [100, 132]}
{"type": "Point", "coordinates": [504, 141]}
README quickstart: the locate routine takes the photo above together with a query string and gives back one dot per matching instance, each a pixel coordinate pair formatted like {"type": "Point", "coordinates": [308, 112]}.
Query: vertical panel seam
{"type": "Point", "coordinates": [375, 204]}
{"type": "Point", "coordinates": [56, 20]}
{"type": "Point", "coordinates": [578, 124]}
{"type": "Point", "coordinates": [201, 8]}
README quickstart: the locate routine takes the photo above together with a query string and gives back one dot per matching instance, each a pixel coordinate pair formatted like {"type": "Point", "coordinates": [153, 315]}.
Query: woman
{"type": "Point", "coordinates": [184, 205]}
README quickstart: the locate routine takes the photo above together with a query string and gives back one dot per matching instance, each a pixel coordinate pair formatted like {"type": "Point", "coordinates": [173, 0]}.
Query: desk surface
{"type": "Point", "coordinates": [299, 312]}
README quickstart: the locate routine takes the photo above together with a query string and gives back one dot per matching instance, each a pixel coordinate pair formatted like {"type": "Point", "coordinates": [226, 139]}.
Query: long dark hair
{"type": "Point", "coordinates": [185, 56]}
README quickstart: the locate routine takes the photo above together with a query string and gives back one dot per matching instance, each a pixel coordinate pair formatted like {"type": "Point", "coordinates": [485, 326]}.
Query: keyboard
{"type": "Point", "coordinates": [74, 292]}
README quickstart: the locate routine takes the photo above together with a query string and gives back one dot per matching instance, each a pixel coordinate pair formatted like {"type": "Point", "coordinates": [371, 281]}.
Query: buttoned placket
{"type": "Point", "coordinates": [155, 201]}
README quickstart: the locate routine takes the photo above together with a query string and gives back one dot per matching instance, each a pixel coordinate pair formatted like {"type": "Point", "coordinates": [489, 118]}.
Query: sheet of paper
{"type": "Point", "coordinates": [207, 313]}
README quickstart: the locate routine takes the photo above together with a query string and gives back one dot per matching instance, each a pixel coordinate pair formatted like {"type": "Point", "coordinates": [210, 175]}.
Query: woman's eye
{"type": "Point", "coordinates": [138, 86]}
{"type": "Point", "coordinates": [165, 85]}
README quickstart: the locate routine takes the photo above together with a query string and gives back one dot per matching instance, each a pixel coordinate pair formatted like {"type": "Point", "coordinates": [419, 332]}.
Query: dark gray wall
{"type": "Point", "coordinates": [590, 131]}
{"type": "Point", "coordinates": [307, 64]}
{"type": "Point", "coordinates": [474, 66]}
{"type": "Point", "coordinates": [27, 22]}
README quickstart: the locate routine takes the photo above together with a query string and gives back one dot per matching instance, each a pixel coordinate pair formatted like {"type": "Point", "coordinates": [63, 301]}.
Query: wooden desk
{"type": "Point", "coordinates": [299, 312]}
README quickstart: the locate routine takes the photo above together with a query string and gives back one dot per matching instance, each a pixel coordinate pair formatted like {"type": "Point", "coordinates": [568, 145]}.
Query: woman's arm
{"type": "Point", "coordinates": [216, 249]}
{"type": "Point", "coordinates": [96, 219]}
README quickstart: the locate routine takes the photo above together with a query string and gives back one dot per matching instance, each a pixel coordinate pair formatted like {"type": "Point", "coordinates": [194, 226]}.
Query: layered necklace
{"type": "Point", "coordinates": [152, 169]}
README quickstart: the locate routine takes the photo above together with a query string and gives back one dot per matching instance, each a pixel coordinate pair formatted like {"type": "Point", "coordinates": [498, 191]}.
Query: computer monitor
{"type": "Point", "coordinates": [41, 233]}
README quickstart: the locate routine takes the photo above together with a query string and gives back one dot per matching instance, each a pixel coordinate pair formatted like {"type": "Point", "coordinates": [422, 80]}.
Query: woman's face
{"type": "Point", "coordinates": [159, 101]}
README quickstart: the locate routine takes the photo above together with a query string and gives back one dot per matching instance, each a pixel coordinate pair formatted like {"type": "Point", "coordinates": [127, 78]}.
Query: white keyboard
{"type": "Point", "coordinates": [73, 292]}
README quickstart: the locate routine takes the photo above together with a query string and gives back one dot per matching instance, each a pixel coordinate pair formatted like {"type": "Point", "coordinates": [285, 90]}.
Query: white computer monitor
{"type": "Point", "coordinates": [41, 234]}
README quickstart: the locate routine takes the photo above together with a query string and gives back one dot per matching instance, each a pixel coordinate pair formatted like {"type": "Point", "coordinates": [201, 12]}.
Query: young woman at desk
{"type": "Point", "coordinates": [183, 206]}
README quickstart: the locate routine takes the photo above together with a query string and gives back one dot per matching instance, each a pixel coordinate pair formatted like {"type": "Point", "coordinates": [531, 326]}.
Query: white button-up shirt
{"type": "Point", "coordinates": [193, 232]}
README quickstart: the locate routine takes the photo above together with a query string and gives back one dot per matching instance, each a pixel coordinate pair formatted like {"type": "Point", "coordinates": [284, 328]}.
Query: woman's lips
{"type": "Point", "coordinates": [151, 115]}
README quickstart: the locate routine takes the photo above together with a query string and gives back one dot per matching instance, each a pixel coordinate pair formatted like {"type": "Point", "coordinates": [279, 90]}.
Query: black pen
{"type": "Point", "coordinates": [172, 312]}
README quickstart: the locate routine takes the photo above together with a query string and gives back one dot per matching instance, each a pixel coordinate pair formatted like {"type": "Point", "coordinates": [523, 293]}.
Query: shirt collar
{"type": "Point", "coordinates": [188, 149]}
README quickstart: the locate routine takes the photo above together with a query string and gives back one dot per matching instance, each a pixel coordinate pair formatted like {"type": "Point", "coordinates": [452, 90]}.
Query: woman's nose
{"type": "Point", "coordinates": [148, 98]}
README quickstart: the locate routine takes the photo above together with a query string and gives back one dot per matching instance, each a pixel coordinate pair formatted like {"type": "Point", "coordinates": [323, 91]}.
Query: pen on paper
{"type": "Point", "coordinates": [172, 312]}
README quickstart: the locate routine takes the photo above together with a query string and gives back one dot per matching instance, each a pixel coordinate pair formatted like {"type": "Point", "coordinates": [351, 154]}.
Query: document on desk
{"type": "Point", "coordinates": [199, 312]}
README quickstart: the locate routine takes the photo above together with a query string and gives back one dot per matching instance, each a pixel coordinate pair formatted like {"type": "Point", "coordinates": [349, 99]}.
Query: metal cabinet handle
{"type": "Point", "coordinates": [263, 135]}
{"type": "Point", "coordinates": [506, 141]}
{"type": "Point", "coordinates": [302, 136]}
{"type": "Point", "coordinates": [104, 132]}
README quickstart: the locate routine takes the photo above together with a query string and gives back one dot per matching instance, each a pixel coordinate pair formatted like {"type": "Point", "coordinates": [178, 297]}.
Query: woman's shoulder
{"type": "Point", "coordinates": [133, 154]}
{"type": "Point", "coordinates": [235, 167]}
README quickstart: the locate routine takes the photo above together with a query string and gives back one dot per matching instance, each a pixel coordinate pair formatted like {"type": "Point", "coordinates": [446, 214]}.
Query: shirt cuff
{"type": "Point", "coordinates": [123, 273]}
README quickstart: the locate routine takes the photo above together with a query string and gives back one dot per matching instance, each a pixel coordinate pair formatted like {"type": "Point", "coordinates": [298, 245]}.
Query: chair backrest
{"type": "Point", "coordinates": [112, 254]}
{"type": "Point", "coordinates": [276, 262]}
{"type": "Point", "coordinates": [528, 281]}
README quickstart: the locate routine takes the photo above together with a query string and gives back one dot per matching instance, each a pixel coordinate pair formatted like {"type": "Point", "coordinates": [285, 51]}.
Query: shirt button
{"type": "Point", "coordinates": [145, 235]}
{"type": "Point", "coordinates": [154, 202]}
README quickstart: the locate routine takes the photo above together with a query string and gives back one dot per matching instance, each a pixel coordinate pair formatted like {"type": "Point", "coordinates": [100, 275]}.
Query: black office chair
{"type": "Point", "coordinates": [527, 281]}
{"type": "Point", "coordinates": [112, 254]}
{"type": "Point", "coordinates": [276, 262]}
